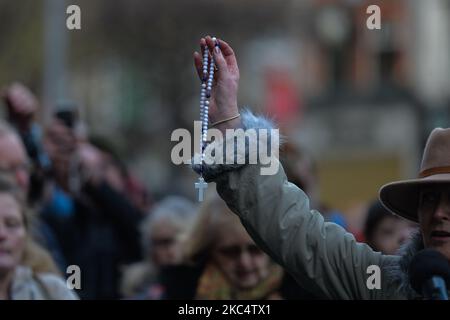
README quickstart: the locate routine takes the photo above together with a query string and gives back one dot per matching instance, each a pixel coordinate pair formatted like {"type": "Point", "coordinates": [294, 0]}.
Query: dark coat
{"type": "Point", "coordinates": [100, 236]}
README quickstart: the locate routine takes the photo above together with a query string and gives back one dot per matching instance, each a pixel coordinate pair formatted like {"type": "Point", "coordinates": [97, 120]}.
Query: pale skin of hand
{"type": "Point", "coordinates": [223, 101]}
{"type": "Point", "coordinates": [22, 105]}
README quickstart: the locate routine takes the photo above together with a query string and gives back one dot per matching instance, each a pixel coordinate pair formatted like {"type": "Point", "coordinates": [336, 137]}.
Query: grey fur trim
{"type": "Point", "coordinates": [250, 121]}
{"type": "Point", "coordinates": [397, 271]}
{"type": "Point", "coordinates": [212, 171]}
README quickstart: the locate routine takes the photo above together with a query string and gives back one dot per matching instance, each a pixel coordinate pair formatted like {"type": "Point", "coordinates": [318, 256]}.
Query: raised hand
{"type": "Point", "coordinates": [22, 105]}
{"type": "Point", "coordinates": [223, 101]}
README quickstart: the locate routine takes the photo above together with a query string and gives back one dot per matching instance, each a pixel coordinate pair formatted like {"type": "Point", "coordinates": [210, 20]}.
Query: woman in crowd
{"type": "Point", "coordinates": [161, 234]}
{"type": "Point", "coordinates": [222, 262]}
{"type": "Point", "coordinates": [26, 271]}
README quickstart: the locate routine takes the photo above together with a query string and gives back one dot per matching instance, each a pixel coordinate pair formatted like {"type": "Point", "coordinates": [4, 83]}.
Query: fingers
{"type": "Point", "coordinates": [198, 58]}
{"type": "Point", "coordinates": [219, 59]}
{"type": "Point", "coordinates": [198, 63]}
{"type": "Point", "coordinates": [223, 54]}
{"type": "Point", "coordinates": [21, 99]}
{"type": "Point", "coordinates": [228, 54]}
{"type": "Point", "coordinates": [226, 49]}
{"type": "Point", "coordinates": [214, 48]}
{"type": "Point", "coordinates": [211, 43]}
{"type": "Point", "coordinates": [202, 45]}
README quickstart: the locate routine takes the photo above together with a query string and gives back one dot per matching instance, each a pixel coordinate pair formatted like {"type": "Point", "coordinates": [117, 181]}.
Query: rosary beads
{"type": "Point", "coordinates": [205, 95]}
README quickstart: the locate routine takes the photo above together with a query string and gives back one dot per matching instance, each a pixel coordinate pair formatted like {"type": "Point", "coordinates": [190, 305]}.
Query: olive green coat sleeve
{"type": "Point", "coordinates": [321, 256]}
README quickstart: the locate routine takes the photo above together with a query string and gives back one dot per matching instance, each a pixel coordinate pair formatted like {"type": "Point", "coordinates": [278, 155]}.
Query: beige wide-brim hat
{"type": "Point", "coordinates": [402, 197]}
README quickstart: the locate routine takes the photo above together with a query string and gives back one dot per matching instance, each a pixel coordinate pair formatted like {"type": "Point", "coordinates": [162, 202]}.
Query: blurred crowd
{"type": "Point", "coordinates": [66, 198]}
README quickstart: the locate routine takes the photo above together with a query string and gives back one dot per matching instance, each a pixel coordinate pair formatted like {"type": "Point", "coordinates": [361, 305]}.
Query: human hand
{"type": "Point", "coordinates": [223, 101]}
{"type": "Point", "coordinates": [92, 164]}
{"type": "Point", "coordinates": [22, 105]}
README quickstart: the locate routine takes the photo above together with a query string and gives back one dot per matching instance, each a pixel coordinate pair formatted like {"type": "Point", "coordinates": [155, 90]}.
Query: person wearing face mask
{"type": "Point", "coordinates": [26, 271]}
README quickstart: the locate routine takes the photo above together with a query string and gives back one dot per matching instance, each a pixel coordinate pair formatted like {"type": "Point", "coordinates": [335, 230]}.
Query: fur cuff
{"type": "Point", "coordinates": [241, 155]}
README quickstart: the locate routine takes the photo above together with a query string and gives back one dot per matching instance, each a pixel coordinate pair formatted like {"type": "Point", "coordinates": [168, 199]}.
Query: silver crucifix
{"type": "Point", "coordinates": [201, 185]}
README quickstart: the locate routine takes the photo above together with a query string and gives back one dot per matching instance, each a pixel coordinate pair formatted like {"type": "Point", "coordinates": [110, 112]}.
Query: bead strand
{"type": "Point", "coordinates": [205, 94]}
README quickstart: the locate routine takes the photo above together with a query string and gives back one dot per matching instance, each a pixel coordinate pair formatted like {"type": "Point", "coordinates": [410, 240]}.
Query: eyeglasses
{"type": "Point", "coordinates": [236, 251]}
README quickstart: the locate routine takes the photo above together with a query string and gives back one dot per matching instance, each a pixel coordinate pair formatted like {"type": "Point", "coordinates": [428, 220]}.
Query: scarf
{"type": "Point", "coordinates": [214, 286]}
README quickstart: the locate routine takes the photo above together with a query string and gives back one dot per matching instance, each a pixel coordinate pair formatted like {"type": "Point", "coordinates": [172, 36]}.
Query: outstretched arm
{"type": "Point", "coordinates": [322, 256]}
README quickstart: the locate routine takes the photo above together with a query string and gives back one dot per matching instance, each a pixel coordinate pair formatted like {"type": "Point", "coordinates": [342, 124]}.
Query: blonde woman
{"type": "Point", "coordinates": [27, 271]}
{"type": "Point", "coordinates": [221, 261]}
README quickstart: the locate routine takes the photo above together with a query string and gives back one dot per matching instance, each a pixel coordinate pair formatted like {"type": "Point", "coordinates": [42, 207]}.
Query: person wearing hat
{"type": "Point", "coordinates": [322, 256]}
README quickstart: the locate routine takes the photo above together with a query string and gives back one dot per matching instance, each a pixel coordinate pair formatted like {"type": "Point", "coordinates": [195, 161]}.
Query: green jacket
{"type": "Point", "coordinates": [321, 256]}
